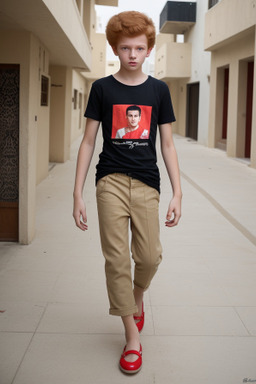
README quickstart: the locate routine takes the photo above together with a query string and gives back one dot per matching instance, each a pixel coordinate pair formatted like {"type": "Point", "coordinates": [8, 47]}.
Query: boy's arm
{"type": "Point", "coordinates": [83, 162]}
{"type": "Point", "coordinates": [171, 162]}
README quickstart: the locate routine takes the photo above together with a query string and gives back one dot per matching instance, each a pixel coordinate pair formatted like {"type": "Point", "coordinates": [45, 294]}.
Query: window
{"type": "Point", "coordinates": [212, 3]}
{"type": "Point", "coordinates": [80, 100]}
{"type": "Point", "coordinates": [75, 98]}
{"type": "Point", "coordinates": [44, 91]}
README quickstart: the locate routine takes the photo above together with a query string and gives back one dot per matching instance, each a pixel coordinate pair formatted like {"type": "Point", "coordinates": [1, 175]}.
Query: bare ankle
{"type": "Point", "coordinates": [138, 295]}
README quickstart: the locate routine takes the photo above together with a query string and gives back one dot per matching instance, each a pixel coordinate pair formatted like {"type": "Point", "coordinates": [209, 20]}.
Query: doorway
{"type": "Point", "coordinates": [225, 104]}
{"type": "Point", "coordinates": [9, 152]}
{"type": "Point", "coordinates": [192, 110]}
{"type": "Point", "coordinates": [249, 99]}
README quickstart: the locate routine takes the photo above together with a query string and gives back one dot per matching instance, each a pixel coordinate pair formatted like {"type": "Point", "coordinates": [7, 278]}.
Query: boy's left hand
{"type": "Point", "coordinates": [174, 212]}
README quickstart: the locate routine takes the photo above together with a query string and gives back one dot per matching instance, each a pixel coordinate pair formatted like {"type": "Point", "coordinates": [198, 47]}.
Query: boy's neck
{"type": "Point", "coordinates": [130, 78]}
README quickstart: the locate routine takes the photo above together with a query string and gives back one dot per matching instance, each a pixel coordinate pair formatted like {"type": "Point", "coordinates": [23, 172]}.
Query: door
{"type": "Point", "coordinates": [192, 110]}
{"type": "Point", "coordinates": [225, 104]}
{"type": "Point", "coordinates": [9, 152]}
{"type": "Point", "coordinates": [248, 126]}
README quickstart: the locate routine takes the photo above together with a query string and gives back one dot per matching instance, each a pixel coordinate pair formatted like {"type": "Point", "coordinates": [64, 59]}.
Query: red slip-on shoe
{"type": "Point", "coordinates": [140, 319]}
{"type": "Point", "coordinates": [131, 367]}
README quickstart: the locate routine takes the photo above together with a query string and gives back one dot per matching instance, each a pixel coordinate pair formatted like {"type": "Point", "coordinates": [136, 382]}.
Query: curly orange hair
{"type": "Point", "coordinates": [130, 24]}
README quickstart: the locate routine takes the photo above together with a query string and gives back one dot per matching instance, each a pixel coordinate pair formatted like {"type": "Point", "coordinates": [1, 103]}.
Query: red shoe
{"type": "Point", "coordinates": [131, 367]}
{"type": "Point", "coordinates": [140, 319]}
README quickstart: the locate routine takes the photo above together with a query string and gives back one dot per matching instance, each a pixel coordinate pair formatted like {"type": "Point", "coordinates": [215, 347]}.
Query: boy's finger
{"type": "Point", "coordinates": [80, 221]}
{"type": "Point", "coordinates": [83, 217]}
{"type": "Point", "coordinates": [170, 215]}
{"type": "Point", "coordinates": [169, 223]}
{"type": "Point", "coordinates": [173, 221]}
{"type": "Point", "coordinates": [83, 221]}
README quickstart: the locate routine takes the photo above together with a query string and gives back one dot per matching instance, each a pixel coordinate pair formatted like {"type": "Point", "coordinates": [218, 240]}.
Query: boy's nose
{"type": "Point", "coordinates": [132, 53]}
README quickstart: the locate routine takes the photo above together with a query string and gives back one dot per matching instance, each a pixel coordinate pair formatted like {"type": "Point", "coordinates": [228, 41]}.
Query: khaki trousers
{"type": "Point", "coordinates": [122, 200]}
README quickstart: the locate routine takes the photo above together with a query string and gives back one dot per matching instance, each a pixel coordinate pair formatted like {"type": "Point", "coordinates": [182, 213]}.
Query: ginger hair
{"type": "Point", "coordinates": [130, 24]}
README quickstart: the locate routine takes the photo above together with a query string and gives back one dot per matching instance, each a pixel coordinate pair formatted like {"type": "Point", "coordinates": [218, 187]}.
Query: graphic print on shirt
{"type": "Point", "coordinates": [131, 122]}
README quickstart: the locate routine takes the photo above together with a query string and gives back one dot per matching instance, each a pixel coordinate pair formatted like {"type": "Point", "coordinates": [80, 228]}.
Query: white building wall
{"type": "Point", "coordinates": [200, 69]}
{"type": "Point", "coordinates": [77, 123]}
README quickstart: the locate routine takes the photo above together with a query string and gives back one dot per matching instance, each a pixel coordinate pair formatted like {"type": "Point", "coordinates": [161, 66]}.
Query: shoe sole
{"type": "Point", "coordinates": [130, 372]}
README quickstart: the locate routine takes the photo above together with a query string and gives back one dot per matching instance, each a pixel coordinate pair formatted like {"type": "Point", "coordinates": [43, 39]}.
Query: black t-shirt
{"type": "Point", "coordinates": [130, 135]}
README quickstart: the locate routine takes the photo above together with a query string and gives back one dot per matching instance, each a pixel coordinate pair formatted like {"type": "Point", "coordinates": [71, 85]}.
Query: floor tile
{"type": "Point", "coordinates": [13, 347]}
{"type": "Point", "coordinates": [241, 296]}
{"type": "Point", "coordinates": [202, 321]}
{"type": "Point", "coordinates": [181, 263]}
{"type": "Point", "coordinates": [81, 287]}
{"type": "Point", "coordinates": [20, 316]}
{"type": "Point", "coordinates": [26, 286]}
{"type": "Point", "coordinates": [200, 360]}
{"type": "Point", "coordinates": [185, 290]}
{"type": "Point", "coordinates": [78, 359]}
{"type": "Point", "coordinates": [83, 319]}
{"type": "Point", "coordinates": [248, 316]}
{"type": "Point", "coordinates": [78, 318]}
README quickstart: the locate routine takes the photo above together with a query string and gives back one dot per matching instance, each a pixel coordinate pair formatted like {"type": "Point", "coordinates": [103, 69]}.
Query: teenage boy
{"type": "Point", "coordinates": [127, 177]}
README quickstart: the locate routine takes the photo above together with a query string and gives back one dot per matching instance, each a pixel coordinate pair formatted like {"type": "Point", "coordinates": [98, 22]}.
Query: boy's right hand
{"type": "Point", "coordinates": [79, 214]}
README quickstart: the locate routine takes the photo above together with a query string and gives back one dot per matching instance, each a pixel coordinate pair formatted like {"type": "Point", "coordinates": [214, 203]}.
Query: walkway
{"type": "Point", "coordinates": [200, 310]}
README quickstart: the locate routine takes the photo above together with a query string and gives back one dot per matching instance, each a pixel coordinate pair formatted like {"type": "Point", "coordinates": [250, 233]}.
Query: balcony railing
{"type": "Point", "coordinates": [212, 3]}
{"type": "Point", "coordinates": [177, 17]}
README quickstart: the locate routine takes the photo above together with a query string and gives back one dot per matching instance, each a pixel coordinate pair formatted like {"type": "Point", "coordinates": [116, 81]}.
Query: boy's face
{"type": "Point", "coordinates": [133, 118]}
{"type": "Point", "coordinates": [132, 51]}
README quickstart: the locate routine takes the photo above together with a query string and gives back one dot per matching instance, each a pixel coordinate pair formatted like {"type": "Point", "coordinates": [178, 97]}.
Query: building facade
{"type": "Point", "coordinates": [49, 54]}
{"type": "Point", "coordinates": [230, 36]}
{"type": "Point", "coordinates": [211, 72]}
{"type": "Point", "coordinates": [182, 62]}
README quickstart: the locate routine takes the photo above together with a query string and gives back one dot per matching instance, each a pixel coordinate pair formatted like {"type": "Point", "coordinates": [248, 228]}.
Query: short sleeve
{"type": "Point", "coordinates": [94, 105]}
{"type": "Point", "coordinates": [166, 113]}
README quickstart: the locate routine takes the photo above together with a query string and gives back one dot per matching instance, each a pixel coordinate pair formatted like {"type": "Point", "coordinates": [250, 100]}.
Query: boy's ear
{"type": "Point", "coordinates": [149, 51]}
{"type": "Point", "coordinates": [114, 50]}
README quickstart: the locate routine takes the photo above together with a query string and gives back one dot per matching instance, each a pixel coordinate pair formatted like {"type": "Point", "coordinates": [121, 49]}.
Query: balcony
{"type": "Point", "coordinates": [173, 61]}
{"type": "Point", "coordinates": [211, 3]}
{"type": "Point", "coordinates": [228, 21]}
{"type": "Point", "coordinates": [177, 17]}
{"type": "Point", "coordinates": [98, 58]}
{"type": "Point", "coordinates": [58, 28]}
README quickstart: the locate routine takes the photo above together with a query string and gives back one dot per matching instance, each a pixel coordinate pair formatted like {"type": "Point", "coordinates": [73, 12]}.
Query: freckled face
{"type": "Point", "coordinates": [132, 51]}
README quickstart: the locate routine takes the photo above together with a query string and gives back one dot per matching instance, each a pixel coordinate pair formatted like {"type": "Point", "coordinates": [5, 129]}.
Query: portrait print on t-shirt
{"type": "Point", "coordinates": [131, 121]}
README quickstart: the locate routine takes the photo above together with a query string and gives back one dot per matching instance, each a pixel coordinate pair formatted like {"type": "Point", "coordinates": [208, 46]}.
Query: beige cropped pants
{"type": "Point", "coordinates": [124, 201]}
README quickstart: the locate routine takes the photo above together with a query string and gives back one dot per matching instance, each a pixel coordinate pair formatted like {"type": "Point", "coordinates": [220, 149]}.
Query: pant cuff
{"type": "Point", "coordinates": [124, 311]}
{"type": "Point", "coordinates": [139, 286]}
